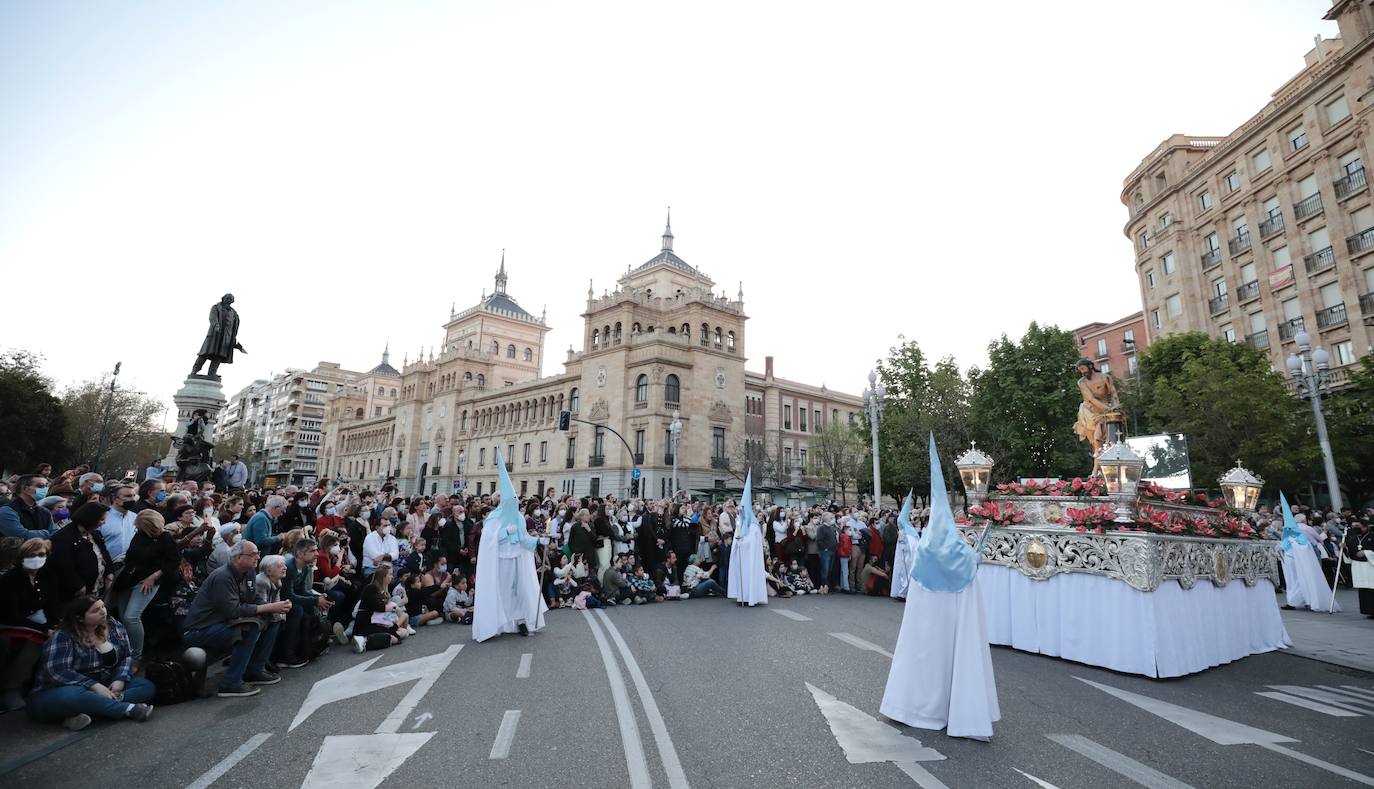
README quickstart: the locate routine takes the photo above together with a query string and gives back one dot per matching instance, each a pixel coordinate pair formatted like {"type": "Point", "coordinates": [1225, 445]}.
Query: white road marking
{"type": "Point", "coordinates": [855, 641]}
{"type": "Point", "coordinates": [921, 775]}
{"type": "Point", "coordinates": [793, 615]}
{"type": "Point", "coordinates": [1369, 694]}
{"type": "Point", "coordinates": [505, 735]}
{"type": "Point", "coordinates": [1119, 763]}
{"type": "Point", "coordinates": [523, 671]}
{"type": "Point", "coordinates": [421, 719]}
{"type": "Point", "coordinates": [1298, 701]}
{"type": "Point", "coordinates": [1362, 750]}
{"type": "Point", "coordinates": [1326, 697]}
{"type": "Point", "coordinates": [393, 722]}
{"type": "Point", "coordinates": [1224, 732]}
{"type": "Point", "coordinates": [1353, 698]}
{"type": "Point", "coordinates": [667, 753]}
{"type": "Point", "coordinates": [625, 714]}
{"type": "Point", "coordinates": [227, 764]}
{"type": "Point", "coordinates": [865, 739]}
{"type": "Point", "coordinates": [357, 680]}
{"type": "Point", "coordinates": [1038, 782]}
{"type": "Point", "coordinates": [361, 761]}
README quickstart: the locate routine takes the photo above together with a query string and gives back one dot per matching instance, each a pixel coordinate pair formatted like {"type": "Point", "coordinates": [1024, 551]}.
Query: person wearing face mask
{"type": "Point", "coordinates": [328, 518]}
{"type": "Point", "coordinates": [453, 531]}
{"type": "Point", "coordinates": [88, 486]}
{"type": "Point", "coordinates": [297, 516]}
{"type": "Point", "coordinates": [77, 560]}
{"type": "Point", "coordinates": [22, 518]}
{"type": "Point", "coordinates": [151, 495]}
{"type": "Point", "coordinates": [381, 544]}
{"type": "Point", "coordinates": [118, 528]}
{"type": "Point", "coordinates": [24, 600]}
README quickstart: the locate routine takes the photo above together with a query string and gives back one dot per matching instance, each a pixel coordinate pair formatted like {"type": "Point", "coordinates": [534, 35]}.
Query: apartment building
{"type": "Point", "coordinates": [1113, 347]}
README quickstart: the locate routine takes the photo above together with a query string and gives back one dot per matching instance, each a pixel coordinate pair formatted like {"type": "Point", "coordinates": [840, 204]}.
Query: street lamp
{"type": "Point", "coordinates": [975, 469]}
{"type": "Point", "coordinates": [1121, 470]}
{"type": "Point", "coordinates": [676, 428]}
{"type": "Point", "coordinates": [873, 405]}
{"type": "Point", "coordinates": [1241, 488]}
{"type": "Point", "coordinates": [105, 421]}
{"type": "Point", "coordinates": [1312, 379]}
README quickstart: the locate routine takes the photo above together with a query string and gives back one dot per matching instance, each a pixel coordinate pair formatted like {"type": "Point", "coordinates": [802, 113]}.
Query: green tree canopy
{"type": "Point", "coordinates": [1350, 425]}
{"type": "Point", "coordinates": [32, 421]}
{"type": "Point", "coordinates": [919, 400]}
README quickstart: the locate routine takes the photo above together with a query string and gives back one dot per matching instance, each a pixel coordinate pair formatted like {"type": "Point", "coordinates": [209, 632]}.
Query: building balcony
{"type": "Point", "coordinates": [596, 461]}
{"type": "Point", "coordinates": [568, 463]}
{"type": "Point", "coordinates": [639, 458]}
{"type": "Point", "coordinates": [510, 466]}
{"type": "Point", "coordinates": [1362, 241]}
{"type": "Point", "coordinates": [1319, 261]}
{"type": "Point", "coordinates": [1219, 304]}
{"type": "Point", "coordinates": [1367, 304]}
{"type": "Point", "coordinates": [1289, 329]}
{"type": "Point", "coordinates": [1270, 226]}
{"type": "Point", "coordinates": [1248, 291]}
{"type": "Point", "coordinates": [668, 459]}
{"type": "Point", "coordinates": [1259, 339]}
{"type": "Point", "coordinates": [1210, 258]}
{"type": "Point", "coordinates": [1238, 244]}
{"type": "Point", "coordinates": [1308, 206]}
{"type": "Point", "coordinates": [1350, 184]}
{"type": "Point", "coordinates": [721, 464]}
{"type": "Point", "coordinates": [1331, 317]}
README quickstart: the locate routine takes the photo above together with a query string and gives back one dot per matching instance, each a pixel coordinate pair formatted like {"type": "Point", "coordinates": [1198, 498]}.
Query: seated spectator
{"type": "Point", "coordinates": [226, 615]}
{"type": "Point", "coordinates": [381, 545]}
{"type": "Point", "coordinates": [229, 534]}
{"type": "Point", "coordinates": [261, 528]}
{"type": "Point", "coordinates": [801, 582]}
{"type": "Point", "coordinates": [644, 589]}
{"type": "Point", "coordinates": [268, 586]}
{"type": "Point", "coordinates": [872, 579]}
{"type": "Point", "coordinates": [416, 603]}
{"type": "Point", "coordinates": [777, 587]}
{"type": "Point", "coordinates": [458, 602]}
{"type": "Point", "coordinates": [698, 582]}
{"type": "Point", "coordinates": [118, 528]}
{"type": "Point", "coordinates": [296, 644]}
{"type": "Point", "coordinates": [24, 602]}
{"type": "Point", "coordinates": [377, 613]}
{"type": "Point", "coordinates": [614, 585]}
{"type": "Point", "coordinates": [87, 671]}
{"type": "Point", "coordinates": [152, 556]}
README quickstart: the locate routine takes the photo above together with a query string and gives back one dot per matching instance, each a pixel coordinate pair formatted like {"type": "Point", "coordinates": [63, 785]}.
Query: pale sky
{"type": "Point", "coordinates": [348, 170]}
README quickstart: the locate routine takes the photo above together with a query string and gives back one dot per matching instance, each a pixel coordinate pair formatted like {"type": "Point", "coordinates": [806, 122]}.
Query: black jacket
{"type": "Point", "coordinates": [72, 564]}
{"type": "Point", "coordinates": [20, 597]}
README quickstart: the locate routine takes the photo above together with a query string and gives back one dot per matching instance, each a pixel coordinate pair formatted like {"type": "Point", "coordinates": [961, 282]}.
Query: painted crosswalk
{"type": "Point", "coordinates": [1325, 699]}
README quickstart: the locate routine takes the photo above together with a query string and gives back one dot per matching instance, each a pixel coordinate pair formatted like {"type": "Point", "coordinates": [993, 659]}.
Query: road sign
{"type": "Point", "coordinates": [634, 474]}
{"type": "Point", "coordinates": [457, 485]}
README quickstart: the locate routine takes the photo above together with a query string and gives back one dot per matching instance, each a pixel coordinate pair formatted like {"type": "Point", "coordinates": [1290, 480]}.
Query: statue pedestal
{"type": "Point", "coordinates": [197, 392]}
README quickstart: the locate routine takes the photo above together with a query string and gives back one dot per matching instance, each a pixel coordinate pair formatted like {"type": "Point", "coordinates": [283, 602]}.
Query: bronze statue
{"type": "Point", "coordinates": [1099, 411]}
{"type": "Point", "coordinates": [222, 339]}
{"type": "Point", "coordinates": [195, 458]}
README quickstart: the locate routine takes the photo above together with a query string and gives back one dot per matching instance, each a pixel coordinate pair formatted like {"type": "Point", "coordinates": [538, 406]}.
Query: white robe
{"type": "Point", "coordinates": [1305, 584]}
{"type": "Point", "coordinates": [746, 569]}
{"type": "Point", "coordinates": [941, 675]}
{"type": "Point", "coordinates": [901, 565]}
{"type": "Point", "coordinates": [507, 586]}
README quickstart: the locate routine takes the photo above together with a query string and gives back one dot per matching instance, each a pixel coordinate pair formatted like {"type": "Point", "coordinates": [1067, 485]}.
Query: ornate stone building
{"type": "Point", "coordinates": [663, 341]}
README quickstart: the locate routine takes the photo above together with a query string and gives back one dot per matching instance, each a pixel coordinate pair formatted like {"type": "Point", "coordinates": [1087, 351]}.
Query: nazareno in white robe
{"type": "Point", "coordinates": [747, 584]}
{"type": "Point", "coordinates": [901, 565]}
{"type": "Point", "coordinates": [1305, 584]}
{"type": "Point", "coordinates": [507, 586]}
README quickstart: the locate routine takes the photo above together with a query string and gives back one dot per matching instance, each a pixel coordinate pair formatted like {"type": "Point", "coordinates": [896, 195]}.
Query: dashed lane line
{"type": "Point", "coordinates": [855, 641]}
{"type": "Point", "coordinates": [505, 735]}
{"type": "Point", "coordinates": [523, 671]}
{"type": "Point", "coordinates": [227, 764]}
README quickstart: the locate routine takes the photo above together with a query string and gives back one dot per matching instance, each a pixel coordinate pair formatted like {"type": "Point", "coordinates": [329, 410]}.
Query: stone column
{"type": "Point", "coordinates": [197, 392]}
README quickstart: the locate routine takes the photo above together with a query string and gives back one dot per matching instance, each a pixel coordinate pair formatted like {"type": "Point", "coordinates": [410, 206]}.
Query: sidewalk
{"type": "Point", "coordinates": [1345, 638]}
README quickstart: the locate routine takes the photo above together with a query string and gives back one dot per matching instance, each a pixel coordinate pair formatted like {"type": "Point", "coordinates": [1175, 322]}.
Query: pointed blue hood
{"type": "Point", "coordinates": [1291, 533]}
{"type": "Point", "coordinates": [944, 562]}
{"type": "Point", "coordinates": [746, 520]}
{"type": "Point", "coordinates": [507, 512]}
{"type": "Point", "coordinates": [904, 518]}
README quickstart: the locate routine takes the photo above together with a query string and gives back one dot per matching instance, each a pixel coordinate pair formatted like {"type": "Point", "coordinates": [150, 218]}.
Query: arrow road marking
{"type": "Point", "coordinates": [793, 615]}
{"type": "Point", "coordinates": [865, 740]}
{"type": "Point", "coordinates": [855, 641]}
{"type": "Point", "coordinates": [1222, 731]}
{"type": "Point", "coordinates": [422, 719]}
{"type": "Point", "coordinates": [1298, 701]}
{"type": "Point", "coordinates": [523, 670]}
{"type": "Point", "coordinates": [1369, 694]}
{"type": "Point", "coordinates": [1038, 782]}
{"type": "Point", "coordinates": [1119, 763]}
{"type": "Point", "coordinates": [361, 761]}
{"type": "Point", "coordinates": [241, 753]}
{"type": "Point", "coordinates": [357, 680]}
{"type": "Point", "coordinates": [393, 722]}
{"type": "Point", "coordinates": [1333, 699]}
{"type": "Point", "coordinates": [505, 735]}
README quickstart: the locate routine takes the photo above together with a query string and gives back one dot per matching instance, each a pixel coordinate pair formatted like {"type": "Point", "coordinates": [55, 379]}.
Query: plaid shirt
{"type": "Point", "coordinates": [67, 662]}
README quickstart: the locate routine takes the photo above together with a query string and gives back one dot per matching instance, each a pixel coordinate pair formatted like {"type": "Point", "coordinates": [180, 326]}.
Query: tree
{"type": "Point", "coordinates": [756, 455]}
{"type": "Point", "coordinates": [32, 422]}
{"type": "Point", "coordinates": [919, 400]}
{"type": "Point", "coordinates": [838, 451]}
{"type": "Point", "coordinates": [134, 432]}
{"type": "Point", "coordinates": [1350, 425]}
{"type": "Point", "coordinates": [1024, 404]}
{"type": "Point", "coordinates": [1230, 404]}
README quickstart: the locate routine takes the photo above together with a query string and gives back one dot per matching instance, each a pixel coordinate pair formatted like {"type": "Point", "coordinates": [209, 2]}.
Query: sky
{"type": "Point", "coordinates": [869, 170]}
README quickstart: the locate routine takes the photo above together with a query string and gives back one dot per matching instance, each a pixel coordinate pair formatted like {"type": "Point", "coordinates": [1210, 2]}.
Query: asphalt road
{"type": "Point", "coordinates": [715, 696]}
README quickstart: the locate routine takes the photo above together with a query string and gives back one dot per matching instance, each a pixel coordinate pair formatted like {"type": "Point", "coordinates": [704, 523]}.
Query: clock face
{"type": "Point", "coordinates": [601, 375]}
{"type": "Point", "coordinates": [720, 377]}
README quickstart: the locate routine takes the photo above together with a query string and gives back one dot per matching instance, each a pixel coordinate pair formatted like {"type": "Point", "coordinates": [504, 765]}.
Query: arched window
{"type": "Point", "coordinates": [510, 351]}
{"type": "Point", "coordinates": [672, 330]}
{"type": "Point", "coordinates": [467, 377]}
{"type": "Point", "coordinates": [636, 329]}
{"type": "Point", "coordinates": [463, 421]}
{"type": "Point", "coordinates": [495, 347]}
{"type": "Point", "coordinates": [617, 332]}
{"type": "Point", "coordinates": [529, 354]}
{"type": "Point", "coordinates": [705, 334]}
{"type": "Point", "coordinates": [642, 389]}
{"type": "Point", "coordinates": [393, 391]}
{"type": "Point", "coordinates": [672, 389]}
{"type": "Point", "coordinates": [687, 330]}
{"type": "Point", "coordinates": [596, 337]}
{"type": "Point", "coordinates": [360, 413]}
{"type": "Point", "coordinates": [718, 336]}
{"type": "Point", "coordinates": [730, 340]}
{"type": "Point", "coordinates": [573, 400]}
{"type": "Point", "coordinates": [481, 380]}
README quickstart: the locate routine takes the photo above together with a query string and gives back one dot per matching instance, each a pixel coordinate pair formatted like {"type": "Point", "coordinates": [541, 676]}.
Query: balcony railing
{"type": "Point", "coordinates": [568, 463]}
{"type": "Point", "coordinates": [1271, 225]}
{"type": "Point", "coordinates": [596, 460]}
{"type": "Point", "coordinates": [1238, 244]}
{"type": "Point", "coordinates": [1249, 290]}
{"type": "Point", "coordinates": [1350, 184]}
{"type": "Point", "coordinates": [639, 458]}
{"type": "Point", "coordinates": [722, 464]}
{"type": "Point", "coordinates": [510, 466]}
{"type": "Point", "coordinates": [1321, 260]}
{"type": "Point", "coordinates": [1259, 339]}
{"type": "Point", "coordinates": [1331, 316]}
{"type": "Point", "coordinates": [1219, 304]}
{"type": "Point", "coordinates": [1367, 304]}
{"type": "Point", "coordinates": [668, 459]}
{"type": "Point", "coordinates": [1210, 258]}
{"type": "Point", "coordinates": [1308, 206]}
{"type": "Point", "coordinates": [1360, 242]}
{"type": "Point", "coordinates": [1289, 329]}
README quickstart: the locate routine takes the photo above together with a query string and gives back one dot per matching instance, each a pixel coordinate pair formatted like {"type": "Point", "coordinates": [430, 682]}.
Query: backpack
{"type": "Point", "coordinates": [172, 681]}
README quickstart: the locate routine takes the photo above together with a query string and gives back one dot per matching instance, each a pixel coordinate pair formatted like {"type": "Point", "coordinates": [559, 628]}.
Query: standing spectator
{"type": "Point", "coordinates": [22, 518]}
{"type": "Point", "coordinates": [226, 615]}
{"type": "Point", "coordinates": [118, 529]}
{"type": "Point", "coordinates": [827, 542]}
{"type": "Point", "coordinates": [78, 563]}
{"type": "Point", "coordinates": [24, 601]}
{"type": "Point", "coordinates": [153, 555]}
{"type": "Point", "coordinates": [237, 474]}
{"type": "Point", "coordinates": [87, 670]}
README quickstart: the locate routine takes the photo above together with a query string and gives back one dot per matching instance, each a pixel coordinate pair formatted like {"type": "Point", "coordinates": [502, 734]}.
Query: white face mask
{"type": "Point", "coordinates": [386, 531]}
{"type": "Point", "coordinates": [334, 551]}
{"type": "Point", "coordinates": [35, 562]}
{"type": "Point", "coordinates": [443, 521]}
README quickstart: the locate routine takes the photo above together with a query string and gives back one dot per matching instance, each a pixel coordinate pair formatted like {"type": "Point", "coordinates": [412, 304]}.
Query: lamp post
{"type": "Point", "coordinates": [676, 428]}
{"type": "Point", "coordinates": [105, 421]}
{"type": "Point", "coordinates": [1121, 470]}
{"type": "Point", "coordinates": [1310, 374]}
{"type": "Point", "coordinates": [873, 405]}
{"type": "Point", "coordinates": [1241, 488]}
{"type": "Point", "coordinates": [975, 469]}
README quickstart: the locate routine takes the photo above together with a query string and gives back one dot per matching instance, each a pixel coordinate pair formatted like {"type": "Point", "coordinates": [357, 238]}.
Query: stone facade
{"type": "Point", "coordinates": [1259, 234]}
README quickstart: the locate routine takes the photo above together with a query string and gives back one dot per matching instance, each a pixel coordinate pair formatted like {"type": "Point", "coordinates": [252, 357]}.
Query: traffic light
{"type": "Point", "coordinates": [564, 420]}
{"type": "Point", "coordinates": [634, 488]}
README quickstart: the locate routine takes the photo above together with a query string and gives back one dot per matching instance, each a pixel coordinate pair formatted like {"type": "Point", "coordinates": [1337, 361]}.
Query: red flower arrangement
{"type": "Point", "coordinates": [1077, 487]}
{"type": "Point", "coordinates": [1096, 518]}
{"type": "Point", "coordinates": [1151, 491]}
{"type": "Point", "coordinates": [994, 514]}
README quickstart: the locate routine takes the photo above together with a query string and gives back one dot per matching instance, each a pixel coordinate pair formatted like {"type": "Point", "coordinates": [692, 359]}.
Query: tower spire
{"type": "Point", "coordinates": [501, 275]}
{"type": "Point", "coordinates": [668, 232]}
{"type": "Point", "coordinates": [386, 352]}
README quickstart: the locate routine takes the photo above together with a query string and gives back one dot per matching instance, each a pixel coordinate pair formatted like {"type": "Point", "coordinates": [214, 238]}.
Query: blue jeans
{"type": "Point", "coordinates": [249, 646]}
{"type": "Point", "coordinates": [54, 705]}
{"type": "Point", "coordinates": [827, 559]}
{"type": "Point", "coordinates": [131, 614]}
{"type": "Point", "coordinates": [705, 586]}
{"type": "Point", "coordinates": [844, 573]}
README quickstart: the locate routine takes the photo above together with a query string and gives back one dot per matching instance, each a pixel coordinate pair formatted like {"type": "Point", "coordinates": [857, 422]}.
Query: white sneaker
{"type": "Point", "coordinates": [340, 633]}
{"type": "Point", "coordinates": [433, 622]}
{"type": "Point", "coordinates": [410, 631]}
{"type": "Point", "coordinates": [359, 645]}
